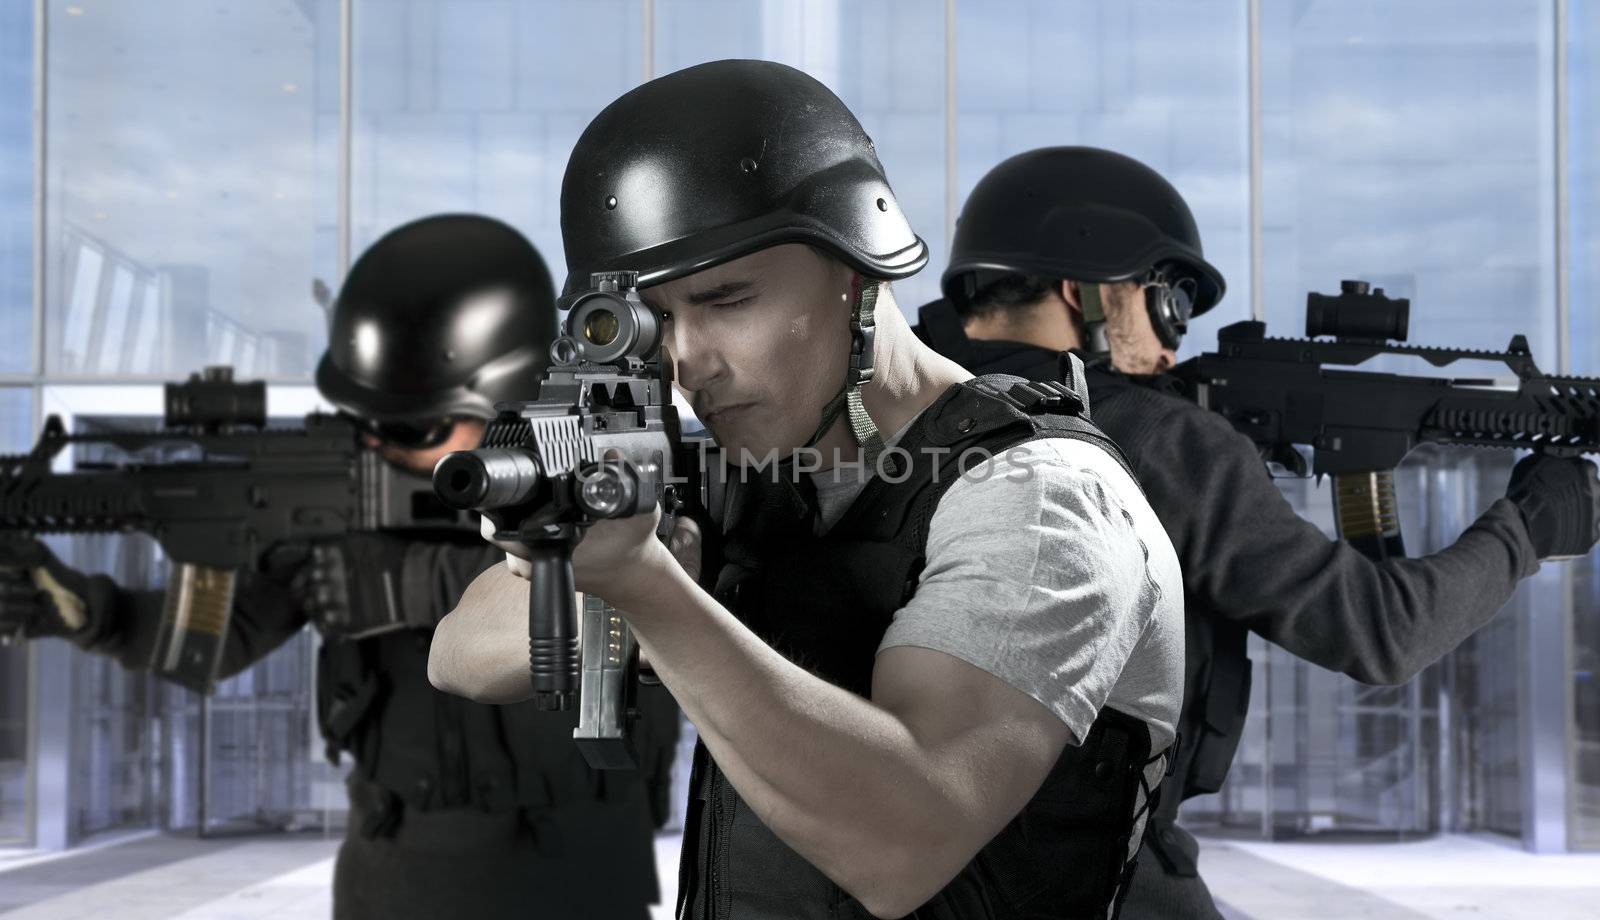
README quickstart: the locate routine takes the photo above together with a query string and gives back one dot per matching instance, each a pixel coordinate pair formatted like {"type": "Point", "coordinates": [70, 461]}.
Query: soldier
{"type": "Point", "coordinates": [1075, 248]}
{"type": "Point", "coordinates": [456, 809]}
{"type": "Point", "coordinates": [899, 709]}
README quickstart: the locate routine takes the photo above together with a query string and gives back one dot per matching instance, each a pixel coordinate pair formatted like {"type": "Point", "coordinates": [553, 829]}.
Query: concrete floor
{"type": "Point", "coordinates": [288, 878]}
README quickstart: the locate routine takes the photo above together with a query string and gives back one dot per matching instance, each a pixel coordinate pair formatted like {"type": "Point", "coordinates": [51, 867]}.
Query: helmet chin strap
{"type": "Point", "coordinates": [1094, 318]}
{"type": "Point", "coordinates": [863, 336]}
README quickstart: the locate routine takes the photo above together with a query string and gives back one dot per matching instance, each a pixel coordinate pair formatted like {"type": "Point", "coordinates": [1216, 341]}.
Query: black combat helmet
{"type": "Point", "coordinates": [716, 161]}
{"type": "Point", "coordinates": [1080, 213]}
{"type": "Point", "coordinates": [442, 317]}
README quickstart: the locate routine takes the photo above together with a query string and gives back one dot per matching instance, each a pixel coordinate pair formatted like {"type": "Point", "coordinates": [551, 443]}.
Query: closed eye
{"type": "Point", "coordinates": [731, 304]}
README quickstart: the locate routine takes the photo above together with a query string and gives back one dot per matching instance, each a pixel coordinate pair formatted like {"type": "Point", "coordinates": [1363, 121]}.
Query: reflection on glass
{"type": "Point", "coordinates": [183, 149]}
{"type": "Point", "coordinates": [16, 189]}
{"type": "Point", "coordinates": [884, 58]}
{"type": "Point", "coordinates": [144, 342]}
{"type": "Point", "coordinates": [1407, 144]}
{"type": "Point", "coordinates": [475, 107]}
{"type": "Point", "coordinates": [83, 300]}
{"type": "Point", "coordinates": [1163, 81]}
{"type": "Point", "coordinates": [112, 344]}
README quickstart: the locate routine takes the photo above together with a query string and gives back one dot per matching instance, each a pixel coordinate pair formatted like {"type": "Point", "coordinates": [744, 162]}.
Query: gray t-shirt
{"type": "Point", "coordinates": [1047, 568]}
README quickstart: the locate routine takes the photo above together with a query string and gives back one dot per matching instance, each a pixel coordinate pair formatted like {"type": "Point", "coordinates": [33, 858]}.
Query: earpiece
{"type": "Point", "coordinates": [1170, 302]}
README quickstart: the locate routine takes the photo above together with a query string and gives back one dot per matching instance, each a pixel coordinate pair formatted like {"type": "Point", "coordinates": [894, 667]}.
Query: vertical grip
{"type": "Point", "coordinates": [1368, 514]}
{"type": "Point", "coordinates": [552, 624]}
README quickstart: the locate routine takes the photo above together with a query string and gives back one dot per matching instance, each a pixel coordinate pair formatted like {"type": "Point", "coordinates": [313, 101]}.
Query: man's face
{"type": "Point", "coordinates": [465, 434]}
{"type": "Point", "coordinates": [759, 345]}
{"type": "Point", "coordinates": [1135, 347]}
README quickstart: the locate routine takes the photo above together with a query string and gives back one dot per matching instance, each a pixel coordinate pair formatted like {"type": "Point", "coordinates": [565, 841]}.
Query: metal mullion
{"type": "Point", "coordinates": [647, 40]}
{"type": "Point", "coordinates": [30, 783]}
{"type": "Point", "coordinates": [1568, 625]}
{"type": "Point", "coordinates": [950, 116]}
{"type": "Point", "coordinates": [346, 130]}
{"type": "Point", "coordinates": [1562, 252]}
{"type": "Point", "coordinates": [1258, 310]}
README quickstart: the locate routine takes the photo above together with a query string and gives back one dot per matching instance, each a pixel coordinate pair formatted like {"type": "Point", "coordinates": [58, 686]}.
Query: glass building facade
{"type": "Point", "coordinates": [181, 183]}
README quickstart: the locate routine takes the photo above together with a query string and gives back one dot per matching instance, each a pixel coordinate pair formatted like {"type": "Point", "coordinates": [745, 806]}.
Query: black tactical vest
{"type": "Point", "coordinates": [825, 603]}
{"type": "Point", "coordinates": [1216, 660]}
{"type": "Point", "coordinates": [421, 749]}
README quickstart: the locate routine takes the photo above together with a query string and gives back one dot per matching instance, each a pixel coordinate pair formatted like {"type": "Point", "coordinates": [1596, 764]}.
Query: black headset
{"type": "Point", "coordinates": [1169, 299]}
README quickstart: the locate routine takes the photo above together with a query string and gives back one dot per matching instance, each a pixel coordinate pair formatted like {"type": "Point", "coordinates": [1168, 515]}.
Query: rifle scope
{"type": "Point", "coordinates": [211, 401]}
{"type": "Point", "coordinates": [607, 324]}
{"type": "Point", "coordinates": [1358, 312]}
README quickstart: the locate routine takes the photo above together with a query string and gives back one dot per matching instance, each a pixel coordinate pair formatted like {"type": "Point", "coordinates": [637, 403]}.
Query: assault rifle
{"type": "Point", "coordinates": [600, 440]}
{"type": "Point", "coordinates": [217, 489]}
{"type": "Point", "coordinates": [1359, 424]}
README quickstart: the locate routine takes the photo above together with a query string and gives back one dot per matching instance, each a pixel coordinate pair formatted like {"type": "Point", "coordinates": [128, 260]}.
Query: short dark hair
{"type": "Point", "coordinates": [1007, 293]}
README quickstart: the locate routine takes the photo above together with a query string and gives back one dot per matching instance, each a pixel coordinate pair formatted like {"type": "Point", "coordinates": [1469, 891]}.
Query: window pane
{"type": "Point", "coordinates": [884, 58]}
{"type": "Point", "coordinates": [1163, 81]}
{"type": "Point", "coordinates": [1583, 201]}
{"type": "Point", "coordinates": [186, 201]}
{"type": "Point", "coordinates": [16, 423]}
{"type": "Point", "coordinates": [474, 106]}
{"type": "Point", "coordinates": [1583, 183]}
{"type": "Point", "coordinates": [16, 187]}
{"type": "Point", "coordinates": [1410, 145]}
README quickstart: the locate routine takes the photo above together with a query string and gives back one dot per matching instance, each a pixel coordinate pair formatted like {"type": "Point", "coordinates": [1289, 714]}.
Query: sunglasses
{"type": "Point", "coordinates": [413, 435]}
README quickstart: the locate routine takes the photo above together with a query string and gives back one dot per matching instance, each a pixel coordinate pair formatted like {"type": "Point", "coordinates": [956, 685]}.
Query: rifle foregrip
{"type": "Point", "coordinates": [553, 656]}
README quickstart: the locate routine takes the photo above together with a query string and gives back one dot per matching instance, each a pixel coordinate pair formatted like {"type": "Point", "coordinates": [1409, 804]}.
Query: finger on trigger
{"type": "Point", "coordinates": [487, 530]}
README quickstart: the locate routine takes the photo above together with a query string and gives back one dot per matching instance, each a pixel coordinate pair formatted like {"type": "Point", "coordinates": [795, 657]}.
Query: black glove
{"type": "Point", "coordinates": [39, 596]}
{"type": "Point", "coordinates": [1560, 502]}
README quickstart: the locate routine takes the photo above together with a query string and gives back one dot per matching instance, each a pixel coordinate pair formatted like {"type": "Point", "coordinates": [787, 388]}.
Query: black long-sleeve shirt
{"type": "Point", "coordinates": [266, 613]}
{"type": "Point", "coordinates": [1251, 564]}
{"type": "Point", "coordinates": [1249, 559]}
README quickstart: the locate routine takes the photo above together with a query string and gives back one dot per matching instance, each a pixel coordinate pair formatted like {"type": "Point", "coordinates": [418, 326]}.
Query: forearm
{"type": "Point", "coordinates": [475, 652]}
{"type": "Point", "coordinates": [125, 627]}
{"type": "Point", "coordinates": [1381, 623]}
{"type": "Point", "coordinates": [845, 783]}
{"type": "Point", "coordinates": [263, 618]}
{"type": "Point", "coordinates": [1249, 557]}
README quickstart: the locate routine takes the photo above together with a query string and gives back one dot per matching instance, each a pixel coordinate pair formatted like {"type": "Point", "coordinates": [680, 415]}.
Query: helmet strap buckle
{"type": "Point", "coordinates": [863, 345]}
{"type": "Point", "coordinates": [863, 349]}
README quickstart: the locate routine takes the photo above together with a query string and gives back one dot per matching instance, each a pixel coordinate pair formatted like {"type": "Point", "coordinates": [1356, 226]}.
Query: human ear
{"type": "Point", "coordinates": [1069, 293]}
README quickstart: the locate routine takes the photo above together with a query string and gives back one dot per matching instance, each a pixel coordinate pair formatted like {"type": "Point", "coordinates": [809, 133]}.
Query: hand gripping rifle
{"type": "Point", "coordinates": [218, 490]}
{"type": "Point", "coordinates": [1360, 424]}
{"type": "Point", "coordinates": [601, 440]}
